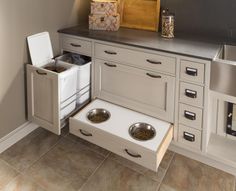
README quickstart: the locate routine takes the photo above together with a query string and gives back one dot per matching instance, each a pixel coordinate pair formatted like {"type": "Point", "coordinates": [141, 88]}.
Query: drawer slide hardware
{"type": "Point", "coordinates": [153, 76]}
{"type": "Point", "coordinates": [189, 115]}
{"type": "Point", "coordinates": [85, 133]}
{"type": "Point", "coordinates": [190, 93]}
{"type": "Point", "coordinates": [133, 155]}
{"type": "Point", "coordinates": [153, 62]}
{"type": "Point", "coordinates": [41, 73]}
{"type": "Point", "coordinates": [191, 71]}
{"type": "Point", "coordinates": [189, 137]}
{"type": "Point", "coordinates": [75, 45]}
{"type": "Point", "coordinates": [110, 65]}
{"type": "Point", "coordinates": [110, 52]}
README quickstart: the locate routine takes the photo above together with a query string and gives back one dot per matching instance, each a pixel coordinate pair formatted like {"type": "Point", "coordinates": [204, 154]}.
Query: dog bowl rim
{"type": "Point", "coordinates": [92, 110]}
{"type": "Point", "coordinates": [133, 125]}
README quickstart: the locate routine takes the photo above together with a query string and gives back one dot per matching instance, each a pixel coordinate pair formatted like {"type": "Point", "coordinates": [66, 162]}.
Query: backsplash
{"type": "Point", "coordinates": [209, 18]}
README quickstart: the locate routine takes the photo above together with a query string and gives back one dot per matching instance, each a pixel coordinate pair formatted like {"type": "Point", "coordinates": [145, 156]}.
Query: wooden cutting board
{"type": "Point", "coordinates": [140, 14]}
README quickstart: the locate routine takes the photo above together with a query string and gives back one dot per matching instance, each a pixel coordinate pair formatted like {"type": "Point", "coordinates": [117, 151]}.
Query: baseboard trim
{"type": "Point", "coordinates": [16, 135]}
{"type": "Point", "coordinates": [204, 158]}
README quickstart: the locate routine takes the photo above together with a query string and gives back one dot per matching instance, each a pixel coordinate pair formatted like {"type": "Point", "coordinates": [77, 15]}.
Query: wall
{"type": "Point", "coordinates": [18, 19]}
{"type": "Point", "coordinates": [210, 18]}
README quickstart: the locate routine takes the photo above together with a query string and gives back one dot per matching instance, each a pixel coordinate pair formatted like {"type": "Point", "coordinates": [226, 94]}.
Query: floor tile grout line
{"type": "Point", "coordinates": [166, 171]}
{"type": "Point", "coordinates": [94, 172]}
{"type": "Point", "coordinates": [94, 150]}
{"type": "Point", "coordinates": [40, 157]}
{"type": "Point", "coordinates": [22, 171]}
{"type": "Point", "coordinates": [142, 173]}
{"type": "Point", "coordinates": [12, 167]}
{"type": "Point", "coordinates": [117, 161]}
{"type": "Point", "coordinates": [168, 166]}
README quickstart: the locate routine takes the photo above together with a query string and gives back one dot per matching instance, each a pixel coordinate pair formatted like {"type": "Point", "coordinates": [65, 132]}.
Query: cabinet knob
{"type": "Point", "coordinates": [190, 115]}
{"type": "Point", "coordinates": [191, 93]}
{"type": "Point", "coordinates": [133, 155]}
{"type": "Point", "coordinates": [191, 71]}
{"type": "Point", "coordinates": [189, 137]}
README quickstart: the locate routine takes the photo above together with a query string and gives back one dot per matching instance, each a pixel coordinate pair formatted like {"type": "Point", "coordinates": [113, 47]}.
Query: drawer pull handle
{"type": "Point", "coordinates": [110, 52]}
{"type": "Point", "coordinates": [41, 73]}
{"type": "Point", "coordinates": [153, 76]}
{"type": "Point", "coordinates": [110, 65]}
{"type": "Point", "coordinates": [85, 133]}
{"type": "Point", "coordinates": [191, 71]}
{"type": "Point", "coordinates": [189, 137]}
{"type": "Point", "coordinates": [75, 45]}
{"type": "Point", "coordinates": [191, 93]}
{"type": "Point", "coordinates": [133, 155]}
{"type": "Point", "coordinates": [190, 115]}
{"type": "Point", "coordinates": [153, 62]}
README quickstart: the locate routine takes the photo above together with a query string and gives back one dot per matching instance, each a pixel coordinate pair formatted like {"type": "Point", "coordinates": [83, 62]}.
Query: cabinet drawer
{"type": "Point", "coordinates": [144, 60]}
{"type": "Point", "coordinates": [191, 94]}
{"type": "Point", "coordinates": [147, 92]}
{"type": "Point", "coordinates": [189, 136]}
{"type": "Point", "coordinates": [190, 116]}
{"type": "Point", "coordinates": [192, 71]}
{"type": "Point", "coordinates": [115, 145]}
{"type": "Point", "coordinates": [77, 45]}
{"type": "Point", "coordinates": [113, 134]}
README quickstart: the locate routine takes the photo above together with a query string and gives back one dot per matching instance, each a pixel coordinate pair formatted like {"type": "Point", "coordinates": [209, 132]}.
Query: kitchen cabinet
{"type": "Point", "coordinates": [141, 90]}
{"type": "Point", "coordinates": [167, 86]}
{"type": "Point", "coordinates": [55, 88]}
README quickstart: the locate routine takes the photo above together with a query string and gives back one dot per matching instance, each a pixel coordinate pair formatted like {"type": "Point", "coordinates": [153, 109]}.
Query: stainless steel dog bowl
{"type": "Point", "coordinates": [142, 131]}
{"type": "Point", "coordinates": [98, 115]}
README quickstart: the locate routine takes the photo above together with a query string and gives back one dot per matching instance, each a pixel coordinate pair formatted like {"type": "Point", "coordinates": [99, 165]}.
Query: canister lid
{"type": "Point", "coordinates": [165, 12]}
{"type": "Point", "coordinates": [40, 48]}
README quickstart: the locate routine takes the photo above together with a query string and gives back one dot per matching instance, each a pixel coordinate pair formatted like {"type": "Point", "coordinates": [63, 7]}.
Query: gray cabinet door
{"type": "Point", "coordinates": [43, 98]}
{"type": "Point", "coordinates": [145, 91]}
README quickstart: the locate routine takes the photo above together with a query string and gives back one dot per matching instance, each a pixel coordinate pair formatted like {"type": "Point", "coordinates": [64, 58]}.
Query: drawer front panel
{"type": "Point", "coordinates": [192, 71]}
{"type": "Point", "coordinates": [77, 45]}
{"type": "Point", "coordinates": [190, 116]}
{"type": "Point", "coordinates": [131, 151]}
{"type": "Point", "coordinates": [144, 91]}
{"type": "Point", "coordinates": [136, 58]}
{"type": "Point", "coordinates": [191, 94]}
{"type": "Point", "coordinates": [189, 136]}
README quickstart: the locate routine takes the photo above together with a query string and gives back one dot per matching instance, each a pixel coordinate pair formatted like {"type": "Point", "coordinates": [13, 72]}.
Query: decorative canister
{"type": "Point", "coordinates": [104, 7]}
{"type": "Point", "coordinates": [104, 22]}
{"type": "Point", "coordinates": [167, 24]}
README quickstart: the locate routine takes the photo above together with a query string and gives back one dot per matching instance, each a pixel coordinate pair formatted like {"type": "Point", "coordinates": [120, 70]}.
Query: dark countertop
{"type": "Point", "coordinates": [150, 40]}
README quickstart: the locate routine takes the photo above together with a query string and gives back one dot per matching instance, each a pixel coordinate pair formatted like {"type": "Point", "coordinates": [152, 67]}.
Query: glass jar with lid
{"type": "Point", "coordinates": [167, 24]}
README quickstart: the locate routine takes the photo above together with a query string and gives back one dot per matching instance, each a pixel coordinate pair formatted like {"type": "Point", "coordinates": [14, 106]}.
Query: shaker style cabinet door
{"type": "Point", "coordinates": [145, 91]}
{"type": "Point", "coordinates": [43, 98]}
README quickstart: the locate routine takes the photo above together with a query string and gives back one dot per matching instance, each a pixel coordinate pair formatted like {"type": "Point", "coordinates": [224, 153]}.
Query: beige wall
{"type": "Point", "coordinates": [18, 19]}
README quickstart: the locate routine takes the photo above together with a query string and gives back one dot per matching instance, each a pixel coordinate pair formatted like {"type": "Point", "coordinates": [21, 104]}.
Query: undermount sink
{"type": "Point", "coordinates": [223, 71]}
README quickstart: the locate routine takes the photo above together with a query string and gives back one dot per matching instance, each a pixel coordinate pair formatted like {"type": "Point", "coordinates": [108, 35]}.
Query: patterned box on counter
{"type": "Point", "coordinates": [104, 22]}
{"type": "Point", "coordinates": [104, 7]}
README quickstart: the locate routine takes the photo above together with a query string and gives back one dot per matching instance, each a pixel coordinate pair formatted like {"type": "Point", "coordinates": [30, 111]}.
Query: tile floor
{"type": "Point", "coordinates": [43, 161]}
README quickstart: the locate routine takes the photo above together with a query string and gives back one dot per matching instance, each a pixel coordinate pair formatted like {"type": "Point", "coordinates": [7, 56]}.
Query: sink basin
{"type": "Point", "coordinates": [223, 71]}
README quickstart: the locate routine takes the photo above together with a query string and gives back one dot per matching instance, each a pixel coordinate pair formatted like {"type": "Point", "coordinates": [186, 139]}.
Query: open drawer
{"type": "Point", "coordinates": [113, 134]}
